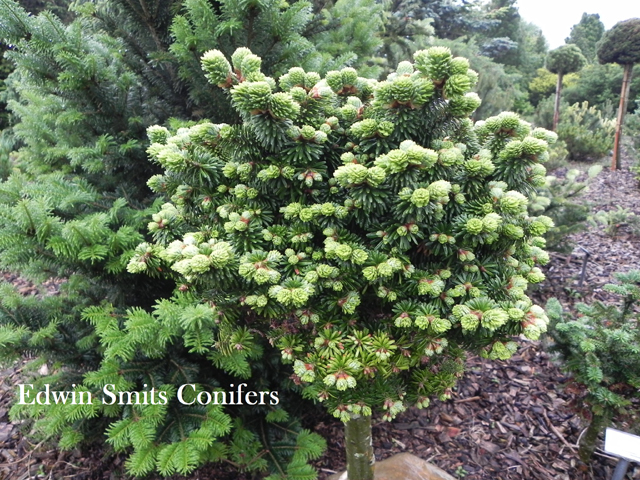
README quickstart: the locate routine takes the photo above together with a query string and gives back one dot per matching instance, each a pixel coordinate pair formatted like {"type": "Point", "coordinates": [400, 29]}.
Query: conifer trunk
{"type": "Point", "coordinates": [622, 108]}
{"type": "Point", "coordinates": [359, 447]}
{"type": "Point", "coordinates": [556, 108]}
{"type": "Point", "coordinates": [588, 443]}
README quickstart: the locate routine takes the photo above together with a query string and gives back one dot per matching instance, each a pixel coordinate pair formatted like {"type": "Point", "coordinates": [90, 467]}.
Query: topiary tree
{"type": "Point", "coordinates": [367, 230]}
{"type": "Point", "coordinates": [563, 60]}
{"type": "Point", "coordinates": [621, 45]}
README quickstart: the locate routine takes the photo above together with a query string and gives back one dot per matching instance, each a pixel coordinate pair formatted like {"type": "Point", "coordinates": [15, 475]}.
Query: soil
{"type": "Point", "coordinates": [506, 420]}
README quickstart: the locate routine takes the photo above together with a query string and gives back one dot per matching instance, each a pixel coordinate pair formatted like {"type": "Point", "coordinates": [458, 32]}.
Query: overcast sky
{"type": "Point", "coordinates": [556, 17]}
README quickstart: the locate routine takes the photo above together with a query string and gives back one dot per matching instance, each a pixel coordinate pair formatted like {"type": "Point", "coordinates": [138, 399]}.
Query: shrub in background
{"type": "Point", "coordinates": [544, 84]}
{"type": "Point", "coordinates": [599, 347]}
{"type": "Point", "coordinates": [632, 128]}
{"type": "Point", "coordinates": [586, 130]}
{"type": "Point", "coordinates": [555, 199]}
{"type": "Point", "coordinates": [600, 85]}
{"type": "Point", "coordinates": [613, 220]}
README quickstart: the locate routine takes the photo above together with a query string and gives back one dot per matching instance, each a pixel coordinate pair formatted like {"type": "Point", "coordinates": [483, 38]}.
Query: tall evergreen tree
{"type": "Point", "coordinates": [586, 34]}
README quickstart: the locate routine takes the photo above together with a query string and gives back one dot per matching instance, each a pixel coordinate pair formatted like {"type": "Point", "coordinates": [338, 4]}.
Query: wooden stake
{"type": "Point", "coordinates": [616, 163]}
{"type": "Point", "coordinates": [556, 109]}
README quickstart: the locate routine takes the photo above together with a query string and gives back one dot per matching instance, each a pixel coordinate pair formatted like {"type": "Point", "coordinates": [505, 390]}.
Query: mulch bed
{"type": "Point", "coordinates": [506, 420]}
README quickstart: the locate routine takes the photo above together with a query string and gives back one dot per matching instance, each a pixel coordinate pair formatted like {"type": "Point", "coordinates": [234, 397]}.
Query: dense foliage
{"type": "Point", "coordinates": [586, 34]}
{"type": "Point", "coordinates": [565, 59]}
{"type": "Point", "coordinates": [557, 199]}
{"type": "Point", "coordinates": [339, 237]}
{"type": "Point", "coordinates": [346, 230]}
{"type": "Point", "coordinates": [621, 44]}
{"type": "Point", "coordinates": [76, 208]}
{"type": "Point", "coordinates": [599, 347]}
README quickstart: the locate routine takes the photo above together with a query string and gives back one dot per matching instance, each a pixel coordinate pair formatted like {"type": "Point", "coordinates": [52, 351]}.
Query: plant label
{"type": "Point", "coordinates": [622, 444]}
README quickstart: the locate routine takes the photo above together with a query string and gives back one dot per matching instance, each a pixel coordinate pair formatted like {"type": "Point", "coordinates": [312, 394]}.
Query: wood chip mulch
{"type": "Point", "coordinates": [507, 420]}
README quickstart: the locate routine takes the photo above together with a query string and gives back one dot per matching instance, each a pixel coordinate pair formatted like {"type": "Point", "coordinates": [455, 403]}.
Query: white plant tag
{"type": "Point", "coordinates": [622, 444]}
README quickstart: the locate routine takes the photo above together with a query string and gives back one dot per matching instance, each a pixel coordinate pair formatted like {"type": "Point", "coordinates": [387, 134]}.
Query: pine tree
{"type": "Point", "coordinates": [563, 60]}
{"type": "Point", "coordinates": [369, 230]}
{"type": "Point", "coordinates": [621, 45]}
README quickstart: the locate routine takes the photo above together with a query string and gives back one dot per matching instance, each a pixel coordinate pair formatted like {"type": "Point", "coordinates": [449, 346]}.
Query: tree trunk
{"type": "Point", "coordinates": [556, 109]}
{"type": "Point", "coordinates": [588, 442]}
{"type": "Point", "coordinates": [624, 99]}
{"type": "Point", "coordinates": [359, 446]}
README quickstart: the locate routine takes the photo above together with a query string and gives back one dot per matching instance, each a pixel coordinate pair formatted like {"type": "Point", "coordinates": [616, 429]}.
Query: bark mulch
{"type": "Point", "coordinates": [506, 420]}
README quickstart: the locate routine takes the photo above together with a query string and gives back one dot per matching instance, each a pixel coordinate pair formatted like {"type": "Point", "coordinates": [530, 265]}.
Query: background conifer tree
{"type": "Point", "coordinates": [621, 45]}
{"type": "Point", "coordinates": [586, 34]}
{"type": "Point", "coordinates": [563, 60]}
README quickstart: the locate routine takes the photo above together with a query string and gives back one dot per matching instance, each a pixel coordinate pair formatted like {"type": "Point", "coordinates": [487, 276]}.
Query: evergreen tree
{"type": "Point", "coordinates": [407, 28]}
{"type": "Point", "coordinates": [360, 227]}
{"type": "Point", "coordinates": [501, 42]}
{"type": "Point", "coordinates": [453, 19]}
{"type": "Point", "coordinates": [586, 34]}
{"type": "Point", "coordinates": [600, 85]}
{"type": "Point", "coordinates": [563, 60]}
{"type": "Point", "coordinates": [621, 45]}
{"type": "Point", "coordinates": [77, 208]}
{"type": "Point", "coordinates": [351, 32]}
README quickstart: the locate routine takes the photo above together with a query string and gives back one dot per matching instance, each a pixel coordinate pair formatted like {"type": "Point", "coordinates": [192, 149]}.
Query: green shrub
{"type": "Point", "coordinates": [600, 85]}
{"type": "Point", "coordinates": [632, 129]}
{"type": "Point", "coordinates": [599, 347]}
{"type": "Point", "coordinates": [587, 131]}
{"type": "Point", "coordinates": [360, 227]}
{"type": "Point", "coordinates": [556, 199]}
{"type": "Point", "coordinates": [544, 84]}
{"type": "Point", "coordinates": [614, 219]}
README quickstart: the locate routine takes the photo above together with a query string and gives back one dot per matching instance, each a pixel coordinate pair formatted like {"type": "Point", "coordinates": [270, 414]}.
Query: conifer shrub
{"type": "Point", "coordinates": [556, 199]}
{"type": "Point", "coordinates": [586, 130]}
{"type": "Point", "coordinates": [366, 230]}
{"type": "Point", "coordinates": [599, 346]}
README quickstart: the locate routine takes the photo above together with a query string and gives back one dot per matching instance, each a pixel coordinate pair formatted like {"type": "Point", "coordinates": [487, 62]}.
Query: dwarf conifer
{"type": "Point", "coordinates": [368, 230]}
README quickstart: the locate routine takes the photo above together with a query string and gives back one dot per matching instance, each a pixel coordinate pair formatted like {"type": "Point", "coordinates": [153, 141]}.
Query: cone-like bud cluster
{"type": "Point", "coordinates": [368, 230]}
